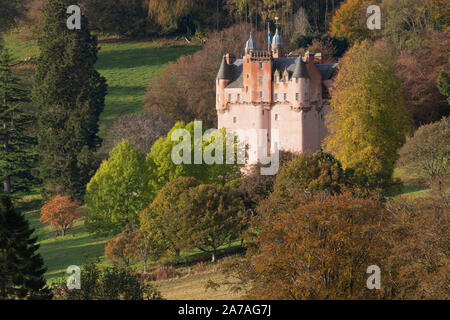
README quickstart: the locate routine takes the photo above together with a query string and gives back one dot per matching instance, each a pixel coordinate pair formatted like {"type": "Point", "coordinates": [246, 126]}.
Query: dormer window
{"type": "Point", "coordinates": [238, 97]}
{"type": "Point", "coordinates": [277, 79]}
{"type": "Point", "coordinates": [276, 97]}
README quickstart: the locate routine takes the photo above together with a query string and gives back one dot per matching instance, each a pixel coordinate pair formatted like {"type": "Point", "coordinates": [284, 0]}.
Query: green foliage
{"type": "Point", "coordinates": [119, 190]}
{"type": "Point", "coordinates": [212, 216]}
{"type": "Point", "coordinates": [310, 173]}
{"type": "Point", "coordinates": [428, 151]}
{"type": "Point", "coordinates": [17, 157]}
{"type": "Point", "coordinates": [111, 283]}
{"type": "Point", "coordinates": [21, 268]}
{"type": "Point", "coordinates": [162, 220]}
{"type": "Point", "coordinates": [161, 155]}
{"type": "Point", "coordinates": [443, 84]}
{"type": "Point", "coordinates": [69, 94]}
{"type": "Point", "coordinates": [368, 122]}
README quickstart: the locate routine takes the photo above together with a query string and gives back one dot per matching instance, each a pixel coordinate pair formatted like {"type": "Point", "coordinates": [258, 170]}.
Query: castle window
{"type": "Point", "coordinates": [277, 79]}
{"type": "Point", "coordinates": [285, 79]}
{"type": "Point", "coordinates": [261, 94]}
{"type": "Point", "coordinates": [234, 119]}
{"type": "Point", "coordinates": [306, 95]}
{"type": "Point", "coordinates": [276, 97]}
{"type": "Point", "coordinates": [229, 97]}
{"type": "Point", "coordinates": [260, 79]}
{"type": "Point", "coordinates": [246, 89]}
{"type": "Point", "coordinates": [277, 117]}
{"type": "Point", "coordinates": [260, 65]}
{"type": "Point", "coordinates": [238, 97]}
{"type": "Point", "coordinates": [297, 96]}
{"type": "Point", "coordinates": [296, 80]}
{"type": "Point", "coordinates": [285, 97]}
{"type": "Point", "coordinates": [263, 112]}
{"type": "Point", "coordinates": [248, 75]}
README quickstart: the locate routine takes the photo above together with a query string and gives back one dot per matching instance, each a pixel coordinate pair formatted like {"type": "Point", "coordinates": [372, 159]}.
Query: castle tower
{"type": "Point", "coordinates": [222, 80]}
{"type": "Point", "coordinates": [301, 77]}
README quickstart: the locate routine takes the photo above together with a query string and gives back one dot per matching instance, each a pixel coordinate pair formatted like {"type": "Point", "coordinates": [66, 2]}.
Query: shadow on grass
{"type": "Point", "coordinates": [116, 57]}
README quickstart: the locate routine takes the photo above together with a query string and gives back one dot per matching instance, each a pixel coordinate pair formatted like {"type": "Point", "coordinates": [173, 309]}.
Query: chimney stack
{"type": "Point", "coordinates": [318, 58]}
{"type": "Point", "coordinates": [230, 58]}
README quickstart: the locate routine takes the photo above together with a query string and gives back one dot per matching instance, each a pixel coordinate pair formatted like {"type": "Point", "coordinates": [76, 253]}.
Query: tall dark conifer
{"type": "Point", "coordinates": [21, 268]}
{"type": "Point", "coordinates": [70, 95]}
{"type": "Point", "coordinates": [17, 155]}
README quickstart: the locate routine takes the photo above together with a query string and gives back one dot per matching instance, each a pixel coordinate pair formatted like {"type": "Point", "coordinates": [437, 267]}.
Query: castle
{"type": "Point", "coordinates": [287, 96]}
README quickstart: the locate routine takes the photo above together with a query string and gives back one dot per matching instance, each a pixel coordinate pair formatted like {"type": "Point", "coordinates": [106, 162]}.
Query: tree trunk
{"type": "Point", "coordinates": [7, 181]}
{"type": "Point", "coordinates": [7, 185]}
{"type": "Point", "coordinates": [213, 258]}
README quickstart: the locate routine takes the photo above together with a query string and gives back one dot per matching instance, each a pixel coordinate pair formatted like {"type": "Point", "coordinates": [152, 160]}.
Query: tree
{"type": "Point", "coordinates": [21, 267]}
{"type": "Point", "coordinates": [122, 249]}
{"type": "Point", "coordinates": [349, 21]}
{"type": "Point", "coordinates": [418, 71]}
{"type": "Point", "coordinates": [320, 250]}
{"type": "Point", "coordinates": [119, 190]}
{"type": "Point", "coordinates": [368, 122]}
{"type": "Point", "coordinates": [69, 94]}
{"type": "Point", "coordinates": [110, 283]}
{"type": "Point", "coordinates": [17, 157]}
{"type": "Point", "coordinates": [163, 219]}
{"type": "Point", "coordinates": [141, 130]}
{"type": "Point", "coordinates": [186, 88]}
{"type": "Point", "coordinates": [428, 152]}
{"type": "Point", "coordinates": [212, 216]}
{"type": "Point", "coordinates": [11, 11]}
{"type": "Point", "coordinates": [417, 267]}
{"type": "Point", "coordinates": [60, 212]}
{"type": "Point", "coordinates": [443, 84]}
{"type": "Point", "coordinates": [166, 169]}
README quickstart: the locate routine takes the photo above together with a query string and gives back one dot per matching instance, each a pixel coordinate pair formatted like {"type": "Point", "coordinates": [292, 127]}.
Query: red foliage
{"type": "Point", "coordinates": [60, 212]}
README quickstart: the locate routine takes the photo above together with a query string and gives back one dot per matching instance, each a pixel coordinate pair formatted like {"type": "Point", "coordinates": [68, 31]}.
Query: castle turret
{"type": "Point", "coordinates": [301, 77]}
{"type": "Point", "coordinates": [222, 80]}
{"type": "Point", "coordinates": [277, 45]}
{"type": "Point", "coordinates": [250, 45]}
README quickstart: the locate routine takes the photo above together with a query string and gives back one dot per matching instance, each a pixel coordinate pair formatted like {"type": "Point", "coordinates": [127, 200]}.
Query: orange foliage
{"type": "Point", "coordinates": [60, 212]}
{"type": "Point", "coordinates": [123, 248]}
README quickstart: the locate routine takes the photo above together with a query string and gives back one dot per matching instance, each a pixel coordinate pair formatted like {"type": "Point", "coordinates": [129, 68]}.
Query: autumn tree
{"type": "Point", "coordinates": [60, 212]}
{"type": "Point", "coordinates": [320, 250]}
{"type": "Point", "coordinates": [163, 219]}
{"type": "Point", "coordinates": [428, 152]}
{"type": "Point", "coordinates": [368, 122]}
{"type": "Point", "coordinates": [212, 217]}
{"type": "Point", "coordinates": [417, 267]}
{"type": "Point", "coordinates": [119, 190]}
{"type": "Point", "coordinates": [418, 71]}
{"type": "Point", "coordinates": [122, 249]}
{"type": "Point", "coordinates": [350, 21]}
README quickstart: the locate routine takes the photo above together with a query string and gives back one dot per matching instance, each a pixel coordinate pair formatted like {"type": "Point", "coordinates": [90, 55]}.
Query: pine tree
{"type": "Point", "coordinates": [21, 268]}
{"type": "Point", "coordinates": [70, 95]}
{"type": "Point", "coordinates": [17, 157]}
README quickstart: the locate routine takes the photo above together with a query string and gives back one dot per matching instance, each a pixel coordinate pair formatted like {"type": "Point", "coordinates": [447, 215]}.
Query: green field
{"type": "Point", "coordinates": [127, 66]}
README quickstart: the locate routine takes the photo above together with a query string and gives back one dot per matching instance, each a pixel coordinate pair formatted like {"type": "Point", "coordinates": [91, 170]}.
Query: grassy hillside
{"type": "Point", "coordinates": [127, 66]}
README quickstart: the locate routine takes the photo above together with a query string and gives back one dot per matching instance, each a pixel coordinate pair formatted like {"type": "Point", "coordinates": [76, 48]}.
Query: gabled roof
{"type": "Point", "coordinates": [327, 70]}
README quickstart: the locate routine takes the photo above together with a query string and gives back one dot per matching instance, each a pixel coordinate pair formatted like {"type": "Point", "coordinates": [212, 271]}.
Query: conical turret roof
{"type": "Point", "coordinates": [225, 71]}
{"type": "Point", "coordinates": [277, 40]}
{"type": "Point", "coordinates": [250, 44]}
